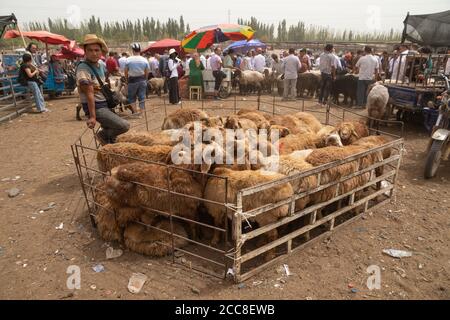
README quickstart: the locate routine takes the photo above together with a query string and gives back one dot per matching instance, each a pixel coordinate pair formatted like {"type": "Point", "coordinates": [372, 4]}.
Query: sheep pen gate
{"type": "Point", "coordinates": [242, 254]}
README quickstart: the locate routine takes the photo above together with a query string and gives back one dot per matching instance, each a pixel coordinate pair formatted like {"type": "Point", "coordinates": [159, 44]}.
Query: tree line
{"type": "Point", "coordinates": [151, 29]}
{"type": "Point", "coordinates": [301, 32]}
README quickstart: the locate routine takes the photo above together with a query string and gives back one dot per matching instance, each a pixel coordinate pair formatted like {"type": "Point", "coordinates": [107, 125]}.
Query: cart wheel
{"type": "Point", "coordinates": [224, 92]}
{"type": "Point", "coordinates": [433, 159]}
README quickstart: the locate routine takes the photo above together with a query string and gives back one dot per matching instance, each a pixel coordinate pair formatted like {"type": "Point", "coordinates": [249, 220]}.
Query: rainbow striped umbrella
{"type": "Point", "coordinates": [203, 38]}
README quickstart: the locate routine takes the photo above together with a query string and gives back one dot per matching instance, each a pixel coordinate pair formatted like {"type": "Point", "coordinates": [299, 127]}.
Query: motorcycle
{"type": "Point", "coordinates": [440, 139]}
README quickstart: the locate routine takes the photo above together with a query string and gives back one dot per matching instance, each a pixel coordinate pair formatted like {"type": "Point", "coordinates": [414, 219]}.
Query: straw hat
{"type": "Point", "coordinates": [93, 39]}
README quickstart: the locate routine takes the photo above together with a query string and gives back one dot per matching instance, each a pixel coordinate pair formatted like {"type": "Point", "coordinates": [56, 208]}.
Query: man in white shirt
{"type": "Point", "coordinates": [367, 68]}
{"type": "Point", "coordinates": [123, 62]}
{"type": "Point", "coordinates": [259, 62]}
{"type": "Point", "coordinates": [291, 66]}
{"type": "Point", "coordinates": [398, 73]}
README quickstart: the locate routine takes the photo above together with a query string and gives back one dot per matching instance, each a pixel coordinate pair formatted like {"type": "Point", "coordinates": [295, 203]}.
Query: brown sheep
{"type": "Point", "coordinates": [282, 131]}
{"type": "Point", "coordinates": [328, 136]}
{"type": "Point", "coordinates": [291, 122]}
{"type": "Point", "coordinates": [148, 139]}
{"type": "Point", "coordinates": [245, 110]}
{"type": "Point", "coordinates": [234, 122]}
{"type": "Point", "coordinates": [327, 155]}
{"type": "Point", "coordinates": [350, 131]}
{"type": "Point", "coordinates": [113, 155]}
{"type": "Point", "coordinates": [179, 118]}
{"type": "Point", "coordinates": [123, 191]}
{"type": "Point", "coordinates": [105, 216]}
{"type": "Point", "coordinates": [291, 165]}
{"type": "Point", "coordinates": [309, 121]}
{"type": "Point", "coordinates": [237, 180]}
{"type": "Point", "coordinates": [258, 119]}
{"type": "Point", "coordinates": [295, 142]}
{"type": "Point", "coordinates": [152, 242]}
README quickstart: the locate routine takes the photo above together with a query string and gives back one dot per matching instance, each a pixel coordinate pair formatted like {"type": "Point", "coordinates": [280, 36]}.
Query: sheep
{"type": "Point", "coordinates": [293, 123]}
{"type": "Point", "coordinates": [105, 217]}
{"type": "Point", "coordinates": [245, 110]}
{"type": "Point", "coordinates": [282, 131]}
{"type": "Point", "coordinates": [326, 155]}
{"type": "Point", "coordinates": [237, 180]}
{"type": "Point", "coordinates": [309, 121]}
{"type": "Point", "coordinates": [235, 122]}
{"type": "Point", "coordinates": [214, 122]}
{"type": "Point", "coordinates": [328, 136]}
{"type": "Point", "coordinates": [113, 155]}
{"type": "Point", "coordinates": [123, 191]}
{"type": "Point", "coordinates": [153, 242]}
{"type": "Point", "coordinates": [373, 142]}
{"type": "Point", "coordinates": [249, 78]}
{"type": "Point", "coordinates": [350, 131]}
{"type": "Point", "coordinates": [179, 118]}
{"type": "Point", "coordinates": [258, 119]}
{"type": "Point", "coordinates": [377, 101]}
{"type": "Point", "coordinates": [149, 139]}
{"type": "Point", "coordinates": [155, 85]}
{"type": "Point", "coordinates": [289, 165]}
{"type": "Point", "coordinates": [295, 142]}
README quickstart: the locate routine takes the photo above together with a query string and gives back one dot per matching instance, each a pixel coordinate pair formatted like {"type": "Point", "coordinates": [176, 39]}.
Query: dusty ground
{"type": "Point", "coordinates": [34, 255]}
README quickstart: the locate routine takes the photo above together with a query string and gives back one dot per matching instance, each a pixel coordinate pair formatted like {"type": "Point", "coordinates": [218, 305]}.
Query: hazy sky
{"type": "Point", "coordinates": [362, 15]}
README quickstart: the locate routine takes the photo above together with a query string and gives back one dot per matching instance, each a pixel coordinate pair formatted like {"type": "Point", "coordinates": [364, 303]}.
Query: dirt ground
{"type": "Point", "coordinates": [34, 255]}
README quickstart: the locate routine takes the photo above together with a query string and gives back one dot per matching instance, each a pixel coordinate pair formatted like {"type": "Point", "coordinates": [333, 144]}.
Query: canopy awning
{"type": "Point", "coordinates": [43, 36]}
{"type": "Point", "coordinates": [428, 29]}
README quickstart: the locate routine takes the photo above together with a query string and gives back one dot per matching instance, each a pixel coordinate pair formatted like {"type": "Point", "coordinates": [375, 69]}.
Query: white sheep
{"type": "Point", "coordinates": [249, 78]}
{"type": "Point", "coordinates": [377, 101]}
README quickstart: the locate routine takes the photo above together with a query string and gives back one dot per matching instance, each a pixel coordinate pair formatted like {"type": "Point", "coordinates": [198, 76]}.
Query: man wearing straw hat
{"type": "Point", "coordinates": [91, 97]}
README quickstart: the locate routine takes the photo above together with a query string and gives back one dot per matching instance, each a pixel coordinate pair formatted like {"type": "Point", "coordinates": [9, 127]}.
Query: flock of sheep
{"type": "Point", "coordinates": [132, 212]}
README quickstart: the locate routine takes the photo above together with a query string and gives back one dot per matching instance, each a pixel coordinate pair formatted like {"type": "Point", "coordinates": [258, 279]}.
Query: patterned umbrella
{"type": "Point", "coordinates": [203, 38]}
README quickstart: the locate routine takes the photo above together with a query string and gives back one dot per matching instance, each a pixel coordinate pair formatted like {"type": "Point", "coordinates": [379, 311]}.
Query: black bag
{"type": "Point", "coordinates": [23, 78]}
{"type": "Point", "coordinates": [111, 97]}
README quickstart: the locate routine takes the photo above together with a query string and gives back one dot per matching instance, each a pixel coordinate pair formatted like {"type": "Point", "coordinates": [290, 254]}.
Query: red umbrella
{"type": "Point", "coordinates": [68, 53]}
{"type": "Point", "coordinates": [43, 36]}
{"type": "Point", "coordinates": [164, 44]}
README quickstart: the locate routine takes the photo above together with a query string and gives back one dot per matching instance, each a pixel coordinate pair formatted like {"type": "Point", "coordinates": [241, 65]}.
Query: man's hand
{"type": "Point", "coordinates": [91, 123]}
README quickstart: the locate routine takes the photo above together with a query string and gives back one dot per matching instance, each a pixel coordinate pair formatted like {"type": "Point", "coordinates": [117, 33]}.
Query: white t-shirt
{"type": "Point", "coordinates": [367, 66]}
{"type": "Point", "coordinates": [259, 63]}
{"type": "Point", "coordinates": [122, 63]}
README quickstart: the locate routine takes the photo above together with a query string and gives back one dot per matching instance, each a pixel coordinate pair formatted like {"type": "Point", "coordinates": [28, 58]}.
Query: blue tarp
{"type": "Point", "coordinates": [244, 46]}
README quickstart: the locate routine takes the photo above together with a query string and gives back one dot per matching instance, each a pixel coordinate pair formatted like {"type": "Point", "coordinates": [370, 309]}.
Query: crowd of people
{"type": "Point", "coordinates": [137, 68]}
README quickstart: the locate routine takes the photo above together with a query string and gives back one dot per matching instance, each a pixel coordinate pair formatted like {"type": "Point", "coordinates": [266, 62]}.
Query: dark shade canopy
{"type": "Point", "coordinates": [428, 29]}
{"type": "Point", "coordinates": [5, 21]}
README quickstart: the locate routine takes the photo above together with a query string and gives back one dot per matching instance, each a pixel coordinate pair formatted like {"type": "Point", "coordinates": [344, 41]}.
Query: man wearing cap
{"type": "Point", "coordinates": [91, 97]}
{"type": "Point", "coordinates": [136, 73]}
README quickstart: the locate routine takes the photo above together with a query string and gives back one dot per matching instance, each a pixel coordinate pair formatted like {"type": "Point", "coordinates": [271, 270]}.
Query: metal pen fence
{"type": "Point", "coordinates": [240, 254]}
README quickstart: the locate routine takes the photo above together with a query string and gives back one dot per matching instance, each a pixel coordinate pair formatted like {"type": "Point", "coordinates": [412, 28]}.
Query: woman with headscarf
{"type": "Point", "coordinates": [195, 71]}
